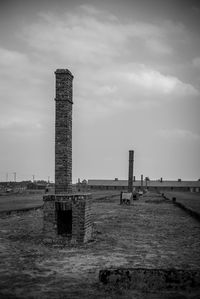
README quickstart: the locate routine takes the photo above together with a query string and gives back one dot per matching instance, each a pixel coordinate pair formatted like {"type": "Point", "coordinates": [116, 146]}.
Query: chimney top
{"type": "Point", "coordinates": [63, 71]}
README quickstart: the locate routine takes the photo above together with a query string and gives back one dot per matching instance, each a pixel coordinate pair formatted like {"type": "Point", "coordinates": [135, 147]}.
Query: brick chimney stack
{"type": "Point", "coordinates": [130, 173]}
{"type": "Point", "coordinates": [63, 131]}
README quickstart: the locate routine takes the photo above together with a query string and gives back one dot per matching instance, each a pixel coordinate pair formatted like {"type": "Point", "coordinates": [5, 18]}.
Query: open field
{"type": "Point", "coordinates": [31, 199]}
{"type": "Point", "coordinates": [150, 233]}
{"type": "Point", "coordinates": [20, 201]}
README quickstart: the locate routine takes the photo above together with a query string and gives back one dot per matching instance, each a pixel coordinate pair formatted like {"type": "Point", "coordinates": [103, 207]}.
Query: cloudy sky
{"type": "Point", "coordinates": [136, 67]}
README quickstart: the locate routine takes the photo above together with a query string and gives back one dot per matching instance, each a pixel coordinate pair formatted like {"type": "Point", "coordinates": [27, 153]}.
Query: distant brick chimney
{"type": "Point", "coordinates": [63, 132]}
{"type": "Point", "coordinates": [130, 172]}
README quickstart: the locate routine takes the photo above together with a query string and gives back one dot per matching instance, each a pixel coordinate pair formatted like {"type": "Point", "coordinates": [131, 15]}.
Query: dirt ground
{"type": "Point", "coordinates": [151, 233]}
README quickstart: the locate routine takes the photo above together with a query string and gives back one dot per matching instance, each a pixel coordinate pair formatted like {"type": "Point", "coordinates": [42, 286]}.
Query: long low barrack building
{"type": "Point", "coordinates": [151, 185]}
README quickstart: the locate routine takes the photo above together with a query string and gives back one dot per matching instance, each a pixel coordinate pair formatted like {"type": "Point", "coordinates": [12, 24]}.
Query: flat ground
{"type": "Point", "coordinates": [31, 199]}
{"type": "Point", "coordinates": [19, 201]}
{"type": "Point", "coordinates": [151, 233]}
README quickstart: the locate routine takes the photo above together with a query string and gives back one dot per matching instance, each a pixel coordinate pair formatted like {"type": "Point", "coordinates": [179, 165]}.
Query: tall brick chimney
{"type": "Point", "coordinates": [63, 131]}
{"type": "Point", "coordinates": [130, 172]}
{"type": "Point", "coordinates": [67, 216]}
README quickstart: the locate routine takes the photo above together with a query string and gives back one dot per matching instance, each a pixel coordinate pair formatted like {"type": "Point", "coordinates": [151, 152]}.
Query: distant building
{"type": "Point", "coordinates": [37, 186]}
{"type": "Point", "coordinates": [81, 186]}
{"type": "Point", "coordinates": [159, 185]}
{"type": "Point", "coordinates": [13, 187]}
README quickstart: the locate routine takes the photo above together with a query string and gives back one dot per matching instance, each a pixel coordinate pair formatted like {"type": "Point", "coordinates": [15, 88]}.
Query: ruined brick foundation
{"type": "Point", "coordinates": [67, 218]}
{"type": "Point", "coordinates": [151, 279]}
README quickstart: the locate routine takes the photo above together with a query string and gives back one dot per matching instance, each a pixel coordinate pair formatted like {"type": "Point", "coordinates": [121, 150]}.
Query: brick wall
{"type": "Point", "coordinates": [63, 131]}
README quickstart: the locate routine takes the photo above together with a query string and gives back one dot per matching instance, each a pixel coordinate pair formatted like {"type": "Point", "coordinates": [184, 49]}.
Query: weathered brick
{"type": "Point", "coordinates": [63, 132]}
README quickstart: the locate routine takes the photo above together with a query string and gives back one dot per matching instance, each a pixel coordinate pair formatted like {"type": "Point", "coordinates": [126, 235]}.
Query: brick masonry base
{"type": "Point", "coordinates": [151, 279]}
{"type": "Point", "coordinates": [80, 205]}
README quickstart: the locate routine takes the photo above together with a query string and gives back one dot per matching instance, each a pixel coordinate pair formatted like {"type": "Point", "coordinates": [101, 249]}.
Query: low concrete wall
{"type": "Point", "coordinates": [190, 211]}
{"type": "Point", "coordinates": [179, 204]}
{"type": "Point", "coordinates": [151, 279]}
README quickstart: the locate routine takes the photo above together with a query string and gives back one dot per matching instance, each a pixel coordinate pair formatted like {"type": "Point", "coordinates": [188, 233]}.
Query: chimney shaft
{"type": "Point", "coordinates": [130, 173]}
{"type": "Point", "coordinates": [63, 131]}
